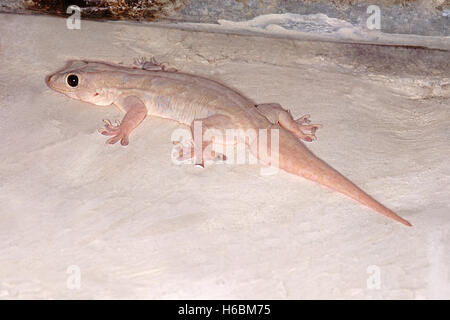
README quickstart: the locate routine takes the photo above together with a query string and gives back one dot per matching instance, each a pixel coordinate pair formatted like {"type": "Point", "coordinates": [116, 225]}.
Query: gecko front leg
{"type": "Point", "coordinates": [135, 113]}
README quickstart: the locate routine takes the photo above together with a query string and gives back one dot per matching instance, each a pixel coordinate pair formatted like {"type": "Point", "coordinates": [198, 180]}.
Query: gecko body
{"type": "Point", "coordinates": [154, 90]}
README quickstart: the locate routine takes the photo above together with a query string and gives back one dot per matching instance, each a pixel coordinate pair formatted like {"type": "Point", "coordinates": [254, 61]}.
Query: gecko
{"type": "Point", "coordinates": [150, 88]}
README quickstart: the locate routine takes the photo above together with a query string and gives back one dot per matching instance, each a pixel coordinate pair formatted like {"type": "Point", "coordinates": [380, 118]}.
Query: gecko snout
{"type": "Point", "coordinates": [53, 81]}
{"type": "Point", "coordinates": [48, 80]}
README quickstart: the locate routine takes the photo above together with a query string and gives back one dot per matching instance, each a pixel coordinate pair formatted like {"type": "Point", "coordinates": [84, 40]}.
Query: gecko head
{"type": "Point", "coordinates": [80, 80]}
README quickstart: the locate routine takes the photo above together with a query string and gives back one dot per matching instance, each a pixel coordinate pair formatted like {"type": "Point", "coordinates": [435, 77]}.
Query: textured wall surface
{"type": "Point", "coordinates": [423, 17]}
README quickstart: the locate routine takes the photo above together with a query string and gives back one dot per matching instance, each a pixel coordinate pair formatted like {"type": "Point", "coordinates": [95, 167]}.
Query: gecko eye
{"type": "Point", "coordinates": [72, 80]}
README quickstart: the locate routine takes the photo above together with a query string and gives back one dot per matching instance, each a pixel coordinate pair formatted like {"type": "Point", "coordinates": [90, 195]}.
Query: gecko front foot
{"type": "Point", "coordinates": [109, 126]}
{"type": "Point", "coordinates": [152, 64]}
{"type": "Point", "coordinates": [115, 130]}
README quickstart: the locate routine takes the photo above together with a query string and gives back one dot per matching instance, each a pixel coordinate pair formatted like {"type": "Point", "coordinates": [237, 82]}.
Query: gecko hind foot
{"type": "Point", "coordinates": [306, 137]}
{"type": "Point", "coordinates": [309, 137]}
{"type": "Point", "coordinates": [183, 151]}
{"type": "Point", "coordinates": [303, 119]}
{"type": "Point", "coordinates": [307, 127]}
{"type": "Point", "coordinates": [186, 152]}
{"type": "Point", "coordinates": [311, 127]}
{"type": "Point", "coordinates": [275, 113]}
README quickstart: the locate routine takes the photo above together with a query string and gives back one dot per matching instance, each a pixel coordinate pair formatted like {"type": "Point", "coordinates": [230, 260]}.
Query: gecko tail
{"type": "Point", "coordinates": [297, 159]}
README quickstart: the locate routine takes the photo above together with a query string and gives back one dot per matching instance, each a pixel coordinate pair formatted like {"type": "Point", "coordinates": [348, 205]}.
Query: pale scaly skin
{"type": "Point", "coordinates": [152, 89]}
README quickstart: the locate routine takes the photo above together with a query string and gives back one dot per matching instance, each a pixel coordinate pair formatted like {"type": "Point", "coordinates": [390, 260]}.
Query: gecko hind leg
{"type": "Point", "coordinates": [212, 132]}
{"type": "Point", "coordinates": [303, 119]}
{"type": "Point", "coordinates": [275, 113]}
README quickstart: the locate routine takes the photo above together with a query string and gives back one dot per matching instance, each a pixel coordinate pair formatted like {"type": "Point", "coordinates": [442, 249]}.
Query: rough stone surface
{"type": "Point", "coordinates": [421, 17]}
